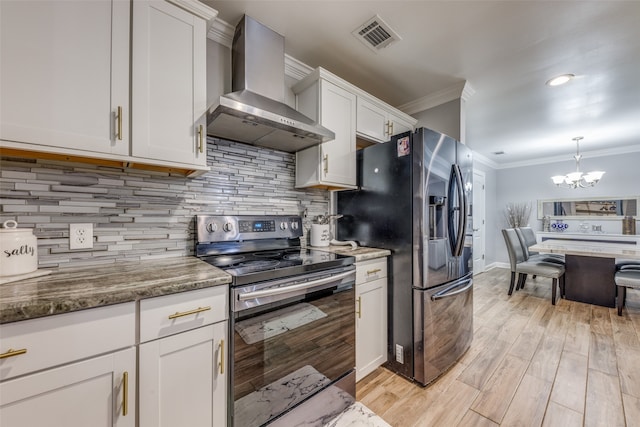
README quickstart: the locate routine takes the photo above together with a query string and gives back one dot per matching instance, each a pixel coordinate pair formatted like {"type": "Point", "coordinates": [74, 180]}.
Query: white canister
{"type": "Point", "coordinates": [18, 250]}
{"type": "Point", "coordinates": [320, 235]}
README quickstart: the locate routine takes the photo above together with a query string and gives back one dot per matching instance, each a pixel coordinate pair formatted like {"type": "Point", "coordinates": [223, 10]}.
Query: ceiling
{"type": "Point", "coordinates": [504, 50]}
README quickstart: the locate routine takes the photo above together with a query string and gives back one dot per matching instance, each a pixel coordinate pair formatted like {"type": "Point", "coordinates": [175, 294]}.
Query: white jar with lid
{"type": "Point", "coordinates": [18, 250]}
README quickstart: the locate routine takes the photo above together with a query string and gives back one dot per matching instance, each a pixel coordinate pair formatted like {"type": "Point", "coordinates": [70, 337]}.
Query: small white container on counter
{"type": "Point", "coordinates": [320, 235]}
{"type": "Point", "coordinates": [18, 250]}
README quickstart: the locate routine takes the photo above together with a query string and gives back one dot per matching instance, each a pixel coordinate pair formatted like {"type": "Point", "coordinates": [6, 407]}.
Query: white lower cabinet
{"type": "Point", "coordinates": [95, 392]}
{"type": "Point", "coordinates": [182, 359]}
{"type": "Point", "coordinates": [70, 370]}
{"type": "Point", "coordinates": [371, 316]}
{"type": "Point", "coordinates": [79, 369]}
{"type": "Point", "coordinates": [183, 379]}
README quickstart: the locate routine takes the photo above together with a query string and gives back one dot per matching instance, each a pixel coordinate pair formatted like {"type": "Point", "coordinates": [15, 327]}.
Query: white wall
{"type": "Point", "coordinates": [531, 183]}
{"type": "Point", "coordinates": [445, 118]}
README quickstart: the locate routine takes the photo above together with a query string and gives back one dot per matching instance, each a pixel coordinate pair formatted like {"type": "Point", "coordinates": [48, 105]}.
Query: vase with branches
{"type": "Point", "coordinates": [517, 214]}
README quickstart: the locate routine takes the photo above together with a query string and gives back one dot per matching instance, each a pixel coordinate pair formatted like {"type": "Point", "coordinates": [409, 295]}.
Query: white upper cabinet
{"type": "Point", "coordinates": [349, 112]}
{"type": "Point", "coordinates": [332, 164]}
{"type": "Point", "coordinates": [65, 74]}
{"type": "Point", "coordinates": [168, 83]}
{"type": "Point", "coordinates": [379, 122]}
{"type": "Point", "coordinates": [68, 90]}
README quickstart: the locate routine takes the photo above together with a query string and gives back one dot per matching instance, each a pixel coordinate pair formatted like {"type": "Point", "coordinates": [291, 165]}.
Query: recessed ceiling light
{"type": "Point", "coordinates": [560, 80]}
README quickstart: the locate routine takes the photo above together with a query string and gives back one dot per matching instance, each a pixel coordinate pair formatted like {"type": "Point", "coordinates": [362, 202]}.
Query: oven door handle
{"type": "Point", "coordinates": [301, 286]}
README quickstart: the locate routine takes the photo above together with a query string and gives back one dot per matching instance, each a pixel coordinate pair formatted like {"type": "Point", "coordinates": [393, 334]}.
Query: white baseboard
{"type": "Point", "coordinates": [497, 265]}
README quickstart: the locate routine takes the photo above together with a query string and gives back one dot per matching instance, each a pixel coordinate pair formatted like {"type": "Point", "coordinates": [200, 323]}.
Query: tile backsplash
{"type": "Point", "coordinates": [145, 215]}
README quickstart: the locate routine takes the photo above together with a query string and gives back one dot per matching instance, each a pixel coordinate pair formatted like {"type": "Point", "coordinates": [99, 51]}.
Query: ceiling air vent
{"type": "Point", "coordinates": [376, 34]}
{"type": "Point", "coordinates": [498, 153]}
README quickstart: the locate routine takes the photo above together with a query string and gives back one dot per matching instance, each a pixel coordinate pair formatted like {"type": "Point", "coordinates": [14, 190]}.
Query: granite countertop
{"type": "Point", "coordinates": [360, 254]}
{"type": "Point", "coordinates": [66, 290]}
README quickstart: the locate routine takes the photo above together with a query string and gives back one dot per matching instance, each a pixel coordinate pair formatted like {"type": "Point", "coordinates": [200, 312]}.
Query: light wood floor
{"type": "Point", "coordinates": [530, 364]}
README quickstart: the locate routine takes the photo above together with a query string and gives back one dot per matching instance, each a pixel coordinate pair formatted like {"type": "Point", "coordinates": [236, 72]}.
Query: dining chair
{"type": "Point", "coordinates": [522, 267]}
{"type": "Point", "coordinates": [527, 238]}
{"type": "Point", "coordinates": [625, 279]}
{"type": "Point", "coordinates": [627, 264]}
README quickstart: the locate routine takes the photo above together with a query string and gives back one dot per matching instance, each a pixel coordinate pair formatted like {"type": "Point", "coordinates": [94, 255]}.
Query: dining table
{"type": "Point", "coordinates": [590, 267]}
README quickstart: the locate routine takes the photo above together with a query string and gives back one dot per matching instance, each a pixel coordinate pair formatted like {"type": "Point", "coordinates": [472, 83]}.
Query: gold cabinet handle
{"type": "Point", "coordinates": [125, 393]}
{"type": "Point", "coordinates": [359, 312]}
{"type": "Point", "coordinates": [188, 313]}
{"type": "Point", "coordinates": [11, 352]}
{"type": "Point", "coordinates": [221, 364]}
{"type": "Point", "coordinates": [325, 159]}
{"type": "Point", "coordinates": [119, 123]}
{"type": "Point", "coordinates": [201, 138]}
{"type": "Point", "coordinates": [369, 272]}
{"type": "Point", "coordinates": [391, 124]}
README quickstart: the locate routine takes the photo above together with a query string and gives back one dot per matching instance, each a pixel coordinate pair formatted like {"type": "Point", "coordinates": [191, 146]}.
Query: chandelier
{"type": "Point", "coordinates": [577, 179]}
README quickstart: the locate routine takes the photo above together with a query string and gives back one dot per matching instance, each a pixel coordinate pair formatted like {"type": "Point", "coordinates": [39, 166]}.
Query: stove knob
{"type": "Point", "coordinates": [294, 225]}
{"type": "Point", "coordinates": [283, 226]}
{"type": "Point", "coordinates": [228, 227]}
{"type": "Point", "coordinates": [212, 227]}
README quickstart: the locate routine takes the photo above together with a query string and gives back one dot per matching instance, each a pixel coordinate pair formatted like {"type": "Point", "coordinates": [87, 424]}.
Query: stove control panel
{"type": "Point", "coordinates": [260, 226]}
{"type": "Point", "coordinates": [246, 227]}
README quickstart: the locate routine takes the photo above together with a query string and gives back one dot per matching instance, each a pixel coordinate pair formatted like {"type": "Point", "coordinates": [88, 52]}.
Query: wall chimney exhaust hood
{"type": "Point", "coordinates": [255, 111]}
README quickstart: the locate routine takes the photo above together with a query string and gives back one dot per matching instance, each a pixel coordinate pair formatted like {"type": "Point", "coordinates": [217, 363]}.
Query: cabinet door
{"type": "Point", "coordinates": [371, 326]}
{"type": "Point", "coordinates": [338, 113]}
{"type": "Point", "coordinates": [183, 379]}
{"type": "Point", "coordinates": [88, 393]}
{"type": "Point", "coordinates": [398, 125]}
{"type": "Point", "coordinates": [64, 71]}
{"type": "Point", "coordinates": [168, 83]}
{"type": "Point", "coordinates": [372, 121]}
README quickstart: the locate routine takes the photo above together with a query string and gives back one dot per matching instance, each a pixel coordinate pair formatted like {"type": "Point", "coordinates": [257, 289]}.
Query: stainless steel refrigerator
{"type": "Point", "coordinates": [413, 197]}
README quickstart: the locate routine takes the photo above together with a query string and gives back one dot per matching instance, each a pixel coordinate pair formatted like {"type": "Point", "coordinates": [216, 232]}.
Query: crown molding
{"type": "Point", "coordinates": [585, 155]}
{"type": "Point", "coordinates": [221, 32]}
{"type": "Point", "coordinates": [434, 99]}
{"type": "Point", "coordinates": [485, 160]}
{"type": "Point", "coordinates": [467, 91]}
{"type": "Point", "coordinates": [197, 8]}
{"type": "Point", "coordinates": [295, 69]}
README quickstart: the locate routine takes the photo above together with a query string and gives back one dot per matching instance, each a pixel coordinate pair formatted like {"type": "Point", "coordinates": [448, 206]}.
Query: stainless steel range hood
{"type": "Point", "coordinates": [255, 112]}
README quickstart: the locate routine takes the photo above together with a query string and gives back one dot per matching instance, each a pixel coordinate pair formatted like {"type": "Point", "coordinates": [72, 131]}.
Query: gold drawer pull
{"type": "Point", "coordinates": [221, 364]}
{"type": "Point", "coordinates": [188, 313]}
{"type": "Point", "coordinates": [11, 352]}
{"type": "Point", "coordinates": [125, 393]}
{"type": "Point", "coordinates": [359, 312]}
{"type": "Point", "coordinates": [377, 270]}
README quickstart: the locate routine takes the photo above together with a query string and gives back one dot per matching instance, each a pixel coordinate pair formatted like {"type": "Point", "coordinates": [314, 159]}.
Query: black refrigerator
{"type": "Point", "coordinates": [413, 198]}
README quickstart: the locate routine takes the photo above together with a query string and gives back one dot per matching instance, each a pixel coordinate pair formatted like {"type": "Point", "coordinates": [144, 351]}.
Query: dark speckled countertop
{"type": "Point", "coordinates": [66, 290]}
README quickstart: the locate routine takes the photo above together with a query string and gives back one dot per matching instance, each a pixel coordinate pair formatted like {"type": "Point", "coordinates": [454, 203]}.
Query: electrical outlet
{"type": "Point", "coordinates": [399, 354]}
{"type": "Point", "coordinates": [80, 236]}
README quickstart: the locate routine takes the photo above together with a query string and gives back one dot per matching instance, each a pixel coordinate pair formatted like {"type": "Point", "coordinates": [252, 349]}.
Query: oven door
{"type": "Point", "coordinates": [291, 339]}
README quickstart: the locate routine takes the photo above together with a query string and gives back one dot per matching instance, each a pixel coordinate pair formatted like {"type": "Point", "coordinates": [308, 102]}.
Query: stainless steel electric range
{"type": "Point", "coordinates": [292, 319]}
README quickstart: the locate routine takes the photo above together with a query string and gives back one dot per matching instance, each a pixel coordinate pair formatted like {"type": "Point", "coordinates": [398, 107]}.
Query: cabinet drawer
{"type": "Point", "coordinates": [372, 269]}
{"type": "Point", "coordinates": [55, 340]}
{"type": "Point", "coordinates": [171, 314]}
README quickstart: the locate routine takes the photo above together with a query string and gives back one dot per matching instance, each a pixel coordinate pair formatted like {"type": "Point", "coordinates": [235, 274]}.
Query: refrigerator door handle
{"type": "Point", "coordinates": [455, 289]}
{"type": "Point", "coordinates": [457, 242]}
{"type": "Point", "coordinates": [450, 214]}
